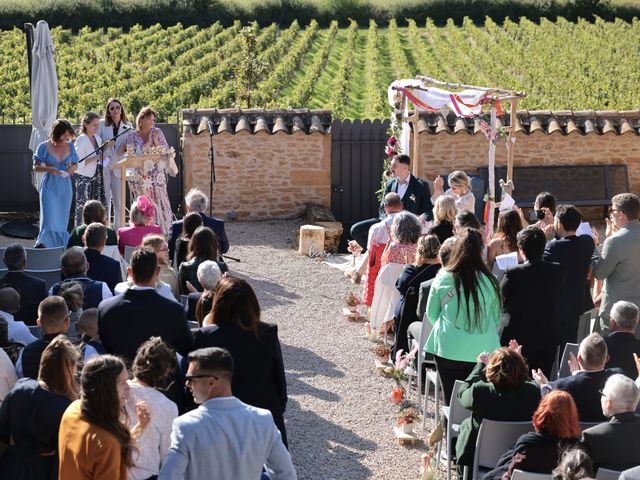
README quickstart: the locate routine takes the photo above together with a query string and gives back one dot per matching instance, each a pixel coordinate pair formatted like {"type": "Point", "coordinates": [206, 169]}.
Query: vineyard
{"type": "Point", "coordinates": [561, 65]}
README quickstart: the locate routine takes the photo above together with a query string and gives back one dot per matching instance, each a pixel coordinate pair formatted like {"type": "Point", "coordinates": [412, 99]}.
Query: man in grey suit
{"type": "Point", "coordinates": [619, 263]}
{"type": "Point", "coordinates": [223, 437]}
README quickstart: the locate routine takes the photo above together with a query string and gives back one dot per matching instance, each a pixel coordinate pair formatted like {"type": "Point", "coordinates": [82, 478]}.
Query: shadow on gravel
{"type": "Point", "coordinates": [301, 363]}
{"type": "Point", "coordinates": [269, 293]}
{"type": "Point", "coordinates": [324, 449]}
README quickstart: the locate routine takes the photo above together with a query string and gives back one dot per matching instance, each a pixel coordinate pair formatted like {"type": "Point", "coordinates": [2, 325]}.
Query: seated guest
{"type": "Point", "coordinates": [504, 239]}
{"type": "Point", "coordinates": [8, 376]}
{"type": "Point", "coordinates": [158, 244]}
{"type": "Point", "coordinates": [199, 304]}
{"type": "Point", "coordinates": [587, 379]}
{"type": "Point", "coordinates": [31, 413]}
{"type": "Point", "coordinates": [152, 369]}
{"type": "Point", "coordinates": [622, 342]}
{"type": "Point", "coordinates": [226, 422]}
{"type": "Point", "coordinates": [101, 267]}
{"type": "Point", "coordinates": [32, 290]}
{"type": "Point", "coordinates": [534, 282]}
{"type": "Point", "coordinates": [425, 267]}
{"type": "Point", "coordinates": [190, 223]}
{"type": "Point", "coordinates": [614, 445]}
{"type": "Point", "coordinates": [73, 295]}
{"type": "Point", "coordinates": [377, 242]}
{"type": "Point", "coordinates": [575, 464]}
{"type": "Point", "coordinates": [556, 429]}
{"type": "Point", "coordinates": [87, 328]}
{"type": "Point", "coordinates": [75, 267]}
{"type": "Point", "coordinates": [630, 474]}
{"type": "Point", "coordinates": [9, 305]}
{"type": "Point", "coordinates": [234, 324]}
{"type": "Point", "coordinates": [125, 322]}
{"type": "Point", "coordinates": [196, 201]}
{"type": "Point", "coordinates": [93, 211]}
{"type": "Point", "coordinates": [141, 217]}
{"type": "Point", "coordinates": [498, 388]}
{"type": "Point", "coordinates": [405, 232]}
{"type": "Point", "coordinates": [459, 189]}
{"type": "Point", "coordinates": [444, 214]}
{"type": "Point", "coordinates": [466, 219]}
{"type": "Point", "coordinates": [53, 319]}
{"type": "Point", "coordinates": [574, 254]}
{"type": "Point", "coordinates": [203, 246]}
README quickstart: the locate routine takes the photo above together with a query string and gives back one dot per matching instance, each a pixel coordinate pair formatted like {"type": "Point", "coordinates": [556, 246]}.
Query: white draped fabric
{"type": "Point", "coordinates": [438, 98]}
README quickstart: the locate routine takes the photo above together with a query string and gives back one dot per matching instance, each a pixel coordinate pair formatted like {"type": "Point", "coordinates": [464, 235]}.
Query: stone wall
{"type": "Point", "coordinates": [263, 169]}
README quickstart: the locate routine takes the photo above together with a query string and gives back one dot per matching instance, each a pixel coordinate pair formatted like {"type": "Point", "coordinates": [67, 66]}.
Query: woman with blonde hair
{"type": "Point", "coordinates": [142, 216]}
{"type": "Point", "coordinates": [444, 215]}
{"type": "Point", "coordinates": [459, 189]}
{"type": "Point", "coordinates": [167, 274]}
{"type": "Point", "coordinates": [89, 175]}
{"type": "Point", "coordinates": [31, 413]}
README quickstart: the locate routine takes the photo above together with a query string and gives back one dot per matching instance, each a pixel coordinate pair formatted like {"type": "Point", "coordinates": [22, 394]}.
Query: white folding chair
{"type": "Point", "coordinates": [128, 250]}
{"type": "Point", "coordinates": [455, 413]}
{"type": "Point", "coordinates": [569, 348]}
{"type": "Point", "coordinates": [606, 474]}
{"type": "Point", "coordinates": [49, 276]}
{"type": "Point", "coordinates": [522, 475]}
{"type": "Point", "coordinates": [494, 439]}
{"type": "Point", "coordinates": [44, 258]}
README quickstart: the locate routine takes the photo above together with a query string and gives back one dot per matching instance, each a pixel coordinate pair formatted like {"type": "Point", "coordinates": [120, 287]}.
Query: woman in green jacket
{"type": "Point", "coordinates": [465, 310]}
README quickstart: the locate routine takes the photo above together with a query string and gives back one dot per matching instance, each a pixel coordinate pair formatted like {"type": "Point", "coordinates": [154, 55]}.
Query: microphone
{"type": "Point", "coordinates": [210, 127]}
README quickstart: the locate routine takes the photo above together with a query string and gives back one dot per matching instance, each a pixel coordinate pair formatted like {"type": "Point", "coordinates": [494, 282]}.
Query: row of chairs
{"type": "Point", "coordinates": [42, 263]}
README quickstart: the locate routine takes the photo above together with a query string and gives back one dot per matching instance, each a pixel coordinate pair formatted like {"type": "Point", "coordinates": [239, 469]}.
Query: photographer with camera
{"type": "Point", "coordinates": [544, 209]}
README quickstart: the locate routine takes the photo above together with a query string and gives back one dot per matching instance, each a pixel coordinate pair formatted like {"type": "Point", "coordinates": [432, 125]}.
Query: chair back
{"type": "Point", "coordinates": [44, 258]}
{"type": "Point", "coordinates": [585, 425]}
{"type": "Point", "coordinates": [35, 330]}
{"type": "Point", "coordinates": [49, 276]}
{"type": "Point", "coordinates": [606, 474]}
{"type": "Point", "coordinates": [494, 439]}
{"type": "Point", "coordinates": [3, 271]}
{"type": "Point", "coordinates": [3, 266]}
{"type": "Point", "coordinates": [569, 348]}
{"type": "Point", "coordinates": [128, 250]}
{"type": "Point", "coordinates": [457, 413]}
{"type": "Point", "coordinates": [522, 475]}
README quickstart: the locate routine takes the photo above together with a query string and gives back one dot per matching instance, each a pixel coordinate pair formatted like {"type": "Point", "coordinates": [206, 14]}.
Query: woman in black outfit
{"type": "Point", "coordinates": [234, 323]}
{"type": "Point", "coordinates": [444, 214]}
{"type": "Point", "coordinates": [202, 246]}
{"type": "Point", "coordinates": [190, 223]}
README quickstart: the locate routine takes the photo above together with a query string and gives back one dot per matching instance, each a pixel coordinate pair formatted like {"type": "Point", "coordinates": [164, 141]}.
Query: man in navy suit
{"type": "Point", "coordinates": [622, 342]}
{"type": "Point", "coordinates": [196, 201]}
{"type": "Point", "coordinates": [574, 254]}
{"type": "Point", "coordinates": [413, 191]}
{"type": "Point", "coordinates": [101, 267]}
{"type": "Point", "coordinates": [587, 379]}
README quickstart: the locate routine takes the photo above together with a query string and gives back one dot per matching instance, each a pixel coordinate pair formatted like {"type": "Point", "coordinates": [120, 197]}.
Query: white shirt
{"type": "Point", "coordinates": [379, 232]}
{"type": "Point", "coordinates": [8, 376]}
{"type": "Point", "coordinates": [402, 187]}
{"type": "Point", "coordinates": [153, 444]}
{"type": "Point", "coordinates": [18, 331]}
{"type": "Point", "coordinates": [163, 289]}
{"type": "Point", "coordinates": [84, 147]}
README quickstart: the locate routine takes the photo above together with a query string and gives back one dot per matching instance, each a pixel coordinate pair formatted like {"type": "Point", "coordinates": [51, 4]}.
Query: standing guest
{"type": "Point", "coordinates": [32, 290]}
{"type": "Point", "coordinates": [556, 429]}
{"type": "Point", "coordinates": [223, 421]}
{"type": "Point", "coordinates": [196, 201]}
{"type": "Point", "coordinates": [614, 445]}
{"type": "Point", "coordinates": [202, 246]}
{"type": "Point", "coordinates": [167, 274]}
{"type": "Point", "coordinates": [31, 413]}
{"type": "Point", "coordinates": [153, 183]}
{"type": "Point", "coordinates": [538, 330]}
{"type": "Point", "coordinates": [619, 262]}
{"type": "Point", "coordinates": [544, 209]}
{"type": "Point", "coordinates": [9, 305]}
{"type": "Point", "coordinates": [141, 313]}
{"type": "Point", "coordinates": [444, 214]}
{"type": "Point", "coordinates": [115, 122]}
{"type": "Point", "coordinates": [190, 223]}
{"type": "Point", "coordinates": [459, 189]}
{"type": "Point", "coordinates": [200, 304]}
{"type": "Point", "coordinates": [152, 369]}
{"type": "Point", "coordinates": [234, 324]}
{"type": "Point", "coordinates": [413, 191]}
{"type": "Point", "coordinates": [94, 441]}
{"type": "Point", "coordinates": [588, 377]}
{"type": "Point", "coordinates": [621, 342]}
{"type": "Point", "coordinates": [504, 239]}
{"type": "Point", "coordinates": [464, 307]}
{"type": "Point", "coordinates": [93, 211]}
{"type": "Point", "coordinates": [89, 177]}
{"type": "Point", "coordinates": [141, 216]}
{"type": "Point", "coordinates": [574, 254]}
{"type": "Point", "coordinates": [101, 267]}
{"type": "Point", "coordinates": [498, 388]}
{"type": "Point", "coordinates": [424, 268]}
{"type": "Point", "coordinates": [75, 267]}
{"type": "Point", "coordinates": [58, 160]}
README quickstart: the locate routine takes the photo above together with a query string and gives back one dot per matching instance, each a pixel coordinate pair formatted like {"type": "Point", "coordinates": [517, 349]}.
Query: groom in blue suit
{"type": "Point", "coordinates": [413, 191]}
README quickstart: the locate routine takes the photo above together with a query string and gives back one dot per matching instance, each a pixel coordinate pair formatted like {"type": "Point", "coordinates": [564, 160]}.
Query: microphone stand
{"type": "Point", "coordinates": [100, 149]}
{"type": "Point", "coordinates": [212, 168]}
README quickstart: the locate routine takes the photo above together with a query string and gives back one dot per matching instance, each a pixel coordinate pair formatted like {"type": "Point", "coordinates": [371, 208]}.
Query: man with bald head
{"type": "Point", "coordinates": [9, 305]}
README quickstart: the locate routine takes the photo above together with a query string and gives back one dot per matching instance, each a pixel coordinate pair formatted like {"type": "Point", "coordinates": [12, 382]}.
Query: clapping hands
{"type": "Point", "coordinates": [574, 366]}
{"type": "Point", "coordinates": [514, 345]}
{"type": "Point", "coordinates": [539, 377]}
{"type": "Point", "coordinates": [483, 357]}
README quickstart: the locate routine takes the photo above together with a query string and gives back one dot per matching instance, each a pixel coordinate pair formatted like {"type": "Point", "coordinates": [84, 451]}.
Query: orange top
{"type": "Point", "coordinates": [87, 452]}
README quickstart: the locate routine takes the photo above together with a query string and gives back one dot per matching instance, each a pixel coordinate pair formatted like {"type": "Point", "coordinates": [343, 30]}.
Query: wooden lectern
{"type": "Point", "coordinates": [132, 161]}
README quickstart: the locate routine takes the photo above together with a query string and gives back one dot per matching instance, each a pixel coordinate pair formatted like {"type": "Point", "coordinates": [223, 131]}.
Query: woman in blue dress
{"type": "Point", "coordinates": [58, 160]}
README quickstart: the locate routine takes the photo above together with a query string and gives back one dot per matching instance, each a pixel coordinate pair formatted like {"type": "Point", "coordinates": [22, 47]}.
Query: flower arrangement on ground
{"type": "Point", "coordinates": [398, 373]}
{"type": "Point", "coordinates": [352, 301]}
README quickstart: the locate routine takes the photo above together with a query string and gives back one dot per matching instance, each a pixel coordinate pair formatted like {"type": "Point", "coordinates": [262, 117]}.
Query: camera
{"type": "Point", "coordinates": [535, 215]}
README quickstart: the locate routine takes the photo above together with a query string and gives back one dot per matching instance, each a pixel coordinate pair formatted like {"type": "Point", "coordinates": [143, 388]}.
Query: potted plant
{"type": "Point", "coordinates": [397, 394]}
{"type": "Point", "coordinates": [382, 352]}
{"type": "Point", "coordinates": [352, 301]}
{"type": "Point", "coordinates": [406, 417]}
{"type": "Point", "coordinates": [398, 374]}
